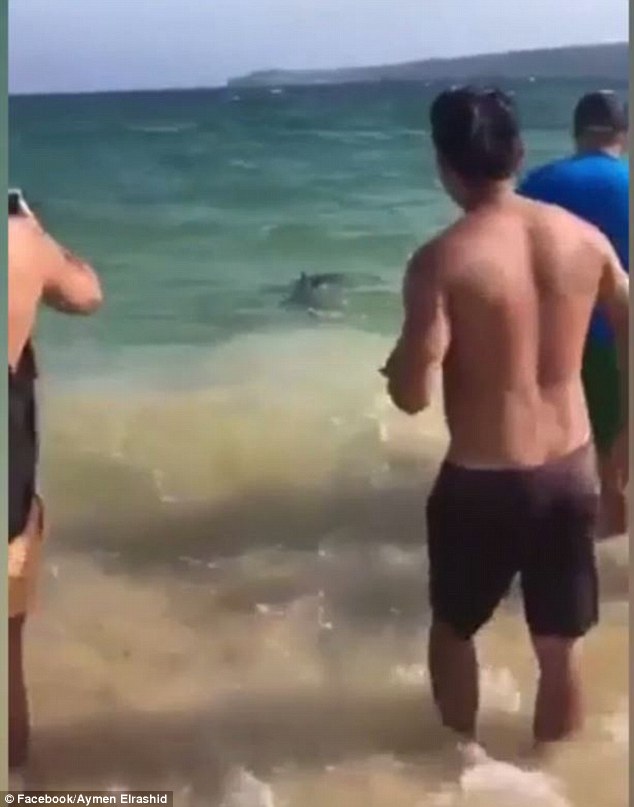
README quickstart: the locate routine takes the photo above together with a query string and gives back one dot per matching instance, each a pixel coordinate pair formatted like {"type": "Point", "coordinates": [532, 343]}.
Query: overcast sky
{"type": "Point", "coordinates": [74, 45]}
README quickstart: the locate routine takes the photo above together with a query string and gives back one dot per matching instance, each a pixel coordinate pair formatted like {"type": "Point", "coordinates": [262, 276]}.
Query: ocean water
{"type": "Point", "coordinates": [233, 602]}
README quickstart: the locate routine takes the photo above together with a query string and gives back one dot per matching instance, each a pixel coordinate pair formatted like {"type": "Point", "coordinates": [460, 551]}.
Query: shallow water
{"type": "Point", "coordinates": [233, 601]}
{"type": "Point", "coordinates": [275, 622]}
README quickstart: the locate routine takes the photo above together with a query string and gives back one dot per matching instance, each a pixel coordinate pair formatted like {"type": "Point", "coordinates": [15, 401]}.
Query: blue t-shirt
{"type": "Point", "coordinates": [596, 188]}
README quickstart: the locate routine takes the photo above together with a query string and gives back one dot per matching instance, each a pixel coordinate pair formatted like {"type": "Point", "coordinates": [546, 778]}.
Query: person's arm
{"type": "Point", "coordinates": [70, 285]}
{"type": "Point", "coordinates": [614, 301]}
{"type": "Point", "coordinates": [416, 362]}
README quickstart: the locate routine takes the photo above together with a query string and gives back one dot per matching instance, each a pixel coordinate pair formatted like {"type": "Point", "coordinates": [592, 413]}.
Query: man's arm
{"type": "Point", "coordinates": [416, 361]}
{"type": "Point", "coordinates": [70, 285]}
{"type": "Point", "coordinates": [614, 301]}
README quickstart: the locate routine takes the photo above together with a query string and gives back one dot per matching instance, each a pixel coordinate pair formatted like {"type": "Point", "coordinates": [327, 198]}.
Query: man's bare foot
{"type": "Point", "coordinates": [538, 753]}
{"type": "Point", "coordinates": [471, 752]}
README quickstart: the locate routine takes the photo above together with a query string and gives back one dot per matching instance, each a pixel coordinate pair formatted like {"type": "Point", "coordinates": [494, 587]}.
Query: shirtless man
{"type": "Point", "coordinates": [40, 271]}
{"type": "Point", "coordinates": [500, 305]}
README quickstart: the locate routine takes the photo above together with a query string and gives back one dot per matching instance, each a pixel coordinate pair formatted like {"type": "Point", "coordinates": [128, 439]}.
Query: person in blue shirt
{"type": "Point", "coordinates": [594, 185]}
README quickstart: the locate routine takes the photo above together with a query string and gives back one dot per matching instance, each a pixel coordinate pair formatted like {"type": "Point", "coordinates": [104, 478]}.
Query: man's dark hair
{"type": "Point", "coordinates": [601, 113]}
{"type": "Point", "coordinates": [476, 132]}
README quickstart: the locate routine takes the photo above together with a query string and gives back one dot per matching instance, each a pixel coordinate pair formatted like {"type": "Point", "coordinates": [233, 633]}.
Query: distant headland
{"type": "Point", "coordinates": [581, 61]}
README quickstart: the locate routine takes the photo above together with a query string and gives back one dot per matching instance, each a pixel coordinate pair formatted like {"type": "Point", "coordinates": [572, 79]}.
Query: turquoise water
{"type": "Point", "coordinates": [237, 511]}
{"type": "Point", "coordinates": [198, 208]}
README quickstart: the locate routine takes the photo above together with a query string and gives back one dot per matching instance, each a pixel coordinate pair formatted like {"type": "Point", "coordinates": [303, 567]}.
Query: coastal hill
{"type": "Point", "coordinates": [583, 61]}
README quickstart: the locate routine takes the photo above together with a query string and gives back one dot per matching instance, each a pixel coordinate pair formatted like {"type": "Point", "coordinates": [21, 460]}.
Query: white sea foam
{"type": "Point", "coordinates": [487, 777]}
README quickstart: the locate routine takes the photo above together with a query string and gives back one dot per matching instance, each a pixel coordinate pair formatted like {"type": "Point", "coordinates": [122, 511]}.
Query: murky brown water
{"type": "Point", "coordinates": [265, 637]}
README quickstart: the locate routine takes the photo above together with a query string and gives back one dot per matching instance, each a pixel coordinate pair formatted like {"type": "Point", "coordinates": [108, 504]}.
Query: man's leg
{"type": "Point", "coordinates": [559, 706]}
{"type": "Point", "coordinates": [561, 588]}
{"type": "Point", "coordinates": [18, 707]}
{"type": "Point", "coordinates": [24, 551]}
{"type": "Point", "coordinates": [453, 667]}
{"type": "Point", "coordinates": [471, 565]}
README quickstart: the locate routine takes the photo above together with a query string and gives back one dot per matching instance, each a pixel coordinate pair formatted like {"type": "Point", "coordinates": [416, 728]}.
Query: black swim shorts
{"type": "Point", "coordinates": [487, 526]}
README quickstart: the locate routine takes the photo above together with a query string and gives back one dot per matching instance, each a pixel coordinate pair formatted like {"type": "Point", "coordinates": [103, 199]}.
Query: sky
{"type": "Point", "coordinates": [94, 45]}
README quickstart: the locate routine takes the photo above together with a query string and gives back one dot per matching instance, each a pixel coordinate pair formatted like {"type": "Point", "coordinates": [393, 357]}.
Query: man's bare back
{"type": "Point", "coordinates": [518, 282]}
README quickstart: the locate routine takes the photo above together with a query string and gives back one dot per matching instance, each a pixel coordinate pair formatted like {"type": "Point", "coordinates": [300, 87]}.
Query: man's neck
{"type": "Point", "coordinates": [494, 194]}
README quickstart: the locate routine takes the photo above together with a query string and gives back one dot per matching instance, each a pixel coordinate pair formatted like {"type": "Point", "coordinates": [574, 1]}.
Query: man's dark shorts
{"type": "Point", "coordinates": [486, 526]}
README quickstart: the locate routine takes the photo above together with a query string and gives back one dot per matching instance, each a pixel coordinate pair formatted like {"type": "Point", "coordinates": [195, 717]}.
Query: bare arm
{"type": "Point", "coordinates": [416, 361]}
{"type": "Point", "coordinates": [70, 285]}
{"type": "Point", "coordinates": [614, 301]}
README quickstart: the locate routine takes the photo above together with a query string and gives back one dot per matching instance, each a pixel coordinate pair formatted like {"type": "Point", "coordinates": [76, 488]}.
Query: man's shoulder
{"type": "Point", "coordinates": [556, 225]}
{"type": "Point", "coordinates": [616, 175]}
{"type": "Point", "coordinates": [558, 216]}
{"type": "Point", "coordinates": [434, 255]}
{"type": "Point", "coordinates": [577, 167]}
{"type": "Point", "coordinates": [544, 176]}
{"type": "Point", "coordinates": [439, 261]}
{"type": "Point", "coordinates": [546, 170]}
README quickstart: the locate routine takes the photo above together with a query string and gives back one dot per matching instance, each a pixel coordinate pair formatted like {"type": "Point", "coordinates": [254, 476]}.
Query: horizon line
{"type": "Point", "coordinates": [260, 71]}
